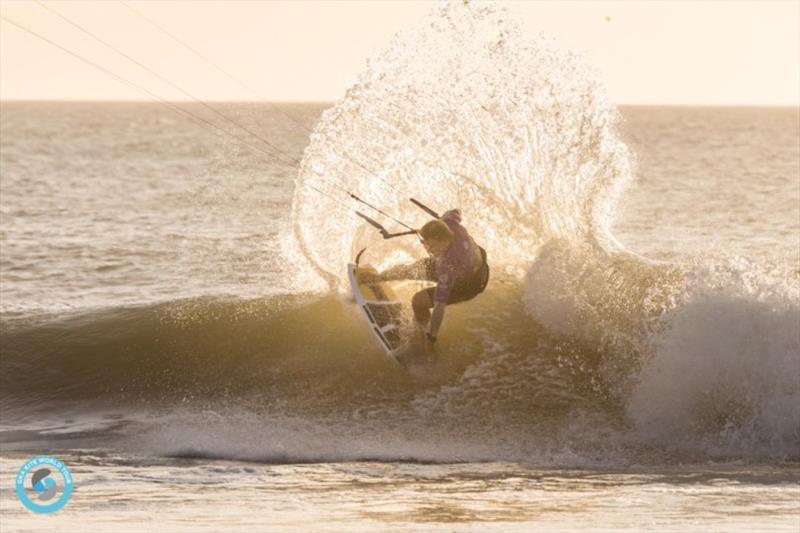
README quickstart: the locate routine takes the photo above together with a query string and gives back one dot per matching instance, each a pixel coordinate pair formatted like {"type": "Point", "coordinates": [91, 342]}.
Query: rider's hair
{"type": "Point", "coordinates": [437, 230]}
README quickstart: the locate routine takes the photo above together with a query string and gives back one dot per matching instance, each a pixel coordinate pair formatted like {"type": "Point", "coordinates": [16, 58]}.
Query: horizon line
{"type": "Point", "coordinates": [333, 102]}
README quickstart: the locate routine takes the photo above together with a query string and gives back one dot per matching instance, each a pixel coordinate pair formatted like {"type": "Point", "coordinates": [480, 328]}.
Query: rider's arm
{"type": "Point", "coordinates": [440, 297]}
{"type": "Point", "coordinates": [416, 270]}
{"type": "Point", "coordinates": [436, 319]}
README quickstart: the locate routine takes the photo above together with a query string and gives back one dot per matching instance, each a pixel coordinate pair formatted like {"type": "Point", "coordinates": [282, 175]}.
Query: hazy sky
{"type": "Point", "coordinates": [669, 52]}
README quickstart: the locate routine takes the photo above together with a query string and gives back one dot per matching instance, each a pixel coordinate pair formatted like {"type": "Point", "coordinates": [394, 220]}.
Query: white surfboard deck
{"type": "Point", "coordinates": [382, 310]}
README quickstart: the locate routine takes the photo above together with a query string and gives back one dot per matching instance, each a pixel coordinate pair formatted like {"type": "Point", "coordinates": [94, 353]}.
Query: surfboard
{"type": "Point", "coordinates": [382, 310]}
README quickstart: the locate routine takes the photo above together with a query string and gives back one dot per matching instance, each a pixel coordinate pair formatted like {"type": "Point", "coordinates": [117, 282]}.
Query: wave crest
{"type": "Point", "coordinates": [465, 111]}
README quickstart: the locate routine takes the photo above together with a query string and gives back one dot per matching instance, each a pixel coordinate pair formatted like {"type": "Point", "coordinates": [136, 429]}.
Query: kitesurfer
{"type": "Point", "coordinates": [455, 263]}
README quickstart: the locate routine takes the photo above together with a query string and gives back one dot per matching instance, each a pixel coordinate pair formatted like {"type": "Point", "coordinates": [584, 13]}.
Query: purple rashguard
{"type": "Point", "coordinates": [460, 261]}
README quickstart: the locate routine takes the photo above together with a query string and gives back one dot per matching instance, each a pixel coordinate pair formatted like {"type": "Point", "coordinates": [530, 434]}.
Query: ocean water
{"type": "Point", "coordinates": [176, 327]}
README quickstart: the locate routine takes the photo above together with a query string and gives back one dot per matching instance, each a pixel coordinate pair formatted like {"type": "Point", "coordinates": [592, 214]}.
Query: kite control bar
{"type": "Point", "coordinates": [424, 207]}
{"type": "Point", "coordinates": [385, 233]}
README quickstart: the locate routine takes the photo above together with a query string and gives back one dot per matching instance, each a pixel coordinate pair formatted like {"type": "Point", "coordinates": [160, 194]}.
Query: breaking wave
{"type": "Point", "coordinates": [580, 352]}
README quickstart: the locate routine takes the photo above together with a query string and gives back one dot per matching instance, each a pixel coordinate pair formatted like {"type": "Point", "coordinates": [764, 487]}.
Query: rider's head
{"type": "Point", "coordinates": [436, 236]}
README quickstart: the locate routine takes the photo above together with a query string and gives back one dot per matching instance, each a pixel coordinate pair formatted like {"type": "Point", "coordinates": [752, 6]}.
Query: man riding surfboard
{"type": "Point", "coordinates": [456, 264]}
